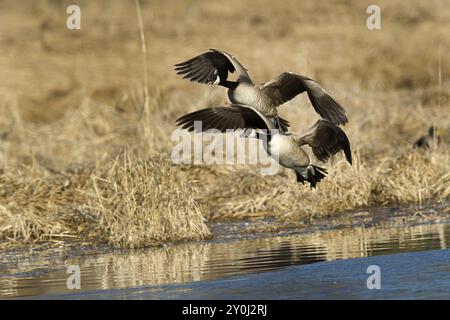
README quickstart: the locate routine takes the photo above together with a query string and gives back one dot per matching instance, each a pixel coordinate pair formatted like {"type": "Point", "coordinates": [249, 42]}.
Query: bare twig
{"type": "Point", "coordinates": [146, 107]}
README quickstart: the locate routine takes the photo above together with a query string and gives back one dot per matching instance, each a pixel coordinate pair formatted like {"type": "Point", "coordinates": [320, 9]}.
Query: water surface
{"type": "Point", "coordinates": [229, 269]}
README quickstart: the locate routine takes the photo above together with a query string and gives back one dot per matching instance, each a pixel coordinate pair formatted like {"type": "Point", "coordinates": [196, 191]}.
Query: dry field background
{"type": "Point", "coordinates": [81, 160]}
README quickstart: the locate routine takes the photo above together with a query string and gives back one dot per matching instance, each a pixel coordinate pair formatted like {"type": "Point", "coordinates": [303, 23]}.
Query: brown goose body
{"type": "Point", "coordinates": [287, 151]}
{"type": "Point", "coordinates": [325, 138]}
{"type": "Point", "coordinates": [251, 95]}
{"type": "Point", "coordinates": [214, 66]}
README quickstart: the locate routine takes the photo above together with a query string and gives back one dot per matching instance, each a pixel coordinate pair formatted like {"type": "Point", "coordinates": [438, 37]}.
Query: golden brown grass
{"type": "Point", "coordinates": [85, 156]}
{"type": "Point", "coordinates": [125, 202]}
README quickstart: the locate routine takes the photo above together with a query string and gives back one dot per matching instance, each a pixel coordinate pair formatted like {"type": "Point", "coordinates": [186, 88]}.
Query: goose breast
{"type": "Point", "coordinates": [287, 152]}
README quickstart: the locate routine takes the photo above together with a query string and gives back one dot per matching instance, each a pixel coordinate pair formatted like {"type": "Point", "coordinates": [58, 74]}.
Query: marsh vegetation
{"type": "Point", "coordinates": [82, 159]}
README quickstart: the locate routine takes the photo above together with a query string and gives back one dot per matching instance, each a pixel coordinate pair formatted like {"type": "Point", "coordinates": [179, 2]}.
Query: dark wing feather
{"type": "Point", "coordinates": [288, 85]}
{"type": "Point", "coordinates": [222, 118]}
{"type": "Point", "coordinates": [326, 139]}
{"type": "Point", "coordinates": [284, 125]}
{"type": "Point", "coordinates": [206, 67]}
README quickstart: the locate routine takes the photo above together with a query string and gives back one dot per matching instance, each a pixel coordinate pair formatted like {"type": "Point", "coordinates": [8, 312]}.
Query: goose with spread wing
{"type": "Point", "coordinates": [214, 66]}
{"type": "Point", "coordinates": [325, 138]}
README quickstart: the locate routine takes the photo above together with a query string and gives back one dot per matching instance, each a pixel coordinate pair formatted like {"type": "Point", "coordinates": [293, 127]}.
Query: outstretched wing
{"type": "Point", "coordinates": [326, 139]}
{"type": "Point", "coordinates": [223, 118]}
{"type": "Point", "coordinates": [211, 67]}
{"type": "Point", "coordinates": [288, 85]}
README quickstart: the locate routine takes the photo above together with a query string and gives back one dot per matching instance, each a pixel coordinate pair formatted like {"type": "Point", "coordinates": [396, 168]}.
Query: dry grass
{"type": "Point", "coordinates": [125, 202]}
{"type": "Point", "coordinates": [85, 156]}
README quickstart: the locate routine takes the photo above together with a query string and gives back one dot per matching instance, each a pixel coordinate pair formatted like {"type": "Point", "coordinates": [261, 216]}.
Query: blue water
{"type": "Point", "coordinates": [414, 263]}
{"type": "Point", "coordinates": [416, 275]}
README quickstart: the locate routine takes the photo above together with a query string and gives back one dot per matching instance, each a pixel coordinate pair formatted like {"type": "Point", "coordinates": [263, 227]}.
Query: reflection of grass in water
{"type": "Point", "coordinates": [71, 114]}
{"type": "Point", "coordinates": [206, 261]}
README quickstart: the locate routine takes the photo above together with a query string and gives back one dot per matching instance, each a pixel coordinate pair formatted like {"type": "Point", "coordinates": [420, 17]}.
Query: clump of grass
{"type": "Point", "coordinates": [126, 202]}
{"type": "Point", "coordinates": [72, 180]}
{"type": "Point", "coordinates": [143, 202]}
{"type": "Point", "coordinates": [34, 204]}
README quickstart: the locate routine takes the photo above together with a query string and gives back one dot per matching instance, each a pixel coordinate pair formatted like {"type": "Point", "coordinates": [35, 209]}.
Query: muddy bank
{"type": "Point", "coordinates": [387, 217]}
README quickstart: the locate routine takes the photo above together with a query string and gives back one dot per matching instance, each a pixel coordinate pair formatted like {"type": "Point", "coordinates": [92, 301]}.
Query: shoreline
{"type": "Point", "coordinates": [226, 231]}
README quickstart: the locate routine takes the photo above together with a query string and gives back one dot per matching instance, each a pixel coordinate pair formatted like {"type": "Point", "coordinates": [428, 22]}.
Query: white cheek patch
{"type": "Point", "coordinates": [217, 80]}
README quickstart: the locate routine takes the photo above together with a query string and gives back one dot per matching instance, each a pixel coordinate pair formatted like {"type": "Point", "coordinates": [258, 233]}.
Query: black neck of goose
{"type": "Point", "coordinates": [264, 136]}
{"type": "Point", "coordinates": [229, 84]}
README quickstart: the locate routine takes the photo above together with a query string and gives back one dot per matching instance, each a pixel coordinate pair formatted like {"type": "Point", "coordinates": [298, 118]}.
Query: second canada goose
{"type": "Point", "coordinates": [214, 66]}
{"type": "Point", "coordinates": [325, 138]}
{"type": "Point", "coordinates": [425, 142]}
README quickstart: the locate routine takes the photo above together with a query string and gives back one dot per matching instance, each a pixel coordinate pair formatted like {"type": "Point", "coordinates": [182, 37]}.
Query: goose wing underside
{"type": "Point", "coordinates": [326, 140]}
{"type": "Point", "coordinates": [288, 85]}
{"type": "Point", "coordinates": [223, 118]}
{"type": "Point", "coordinates": [211, 67]}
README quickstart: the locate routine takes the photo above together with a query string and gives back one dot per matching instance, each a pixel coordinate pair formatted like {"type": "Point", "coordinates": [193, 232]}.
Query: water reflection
{"type": "Point", "coordinates": [25, 274]}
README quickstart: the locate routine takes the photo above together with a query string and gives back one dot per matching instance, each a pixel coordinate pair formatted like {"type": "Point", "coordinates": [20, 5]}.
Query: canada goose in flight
{"type": "Point", "coordinates": [325, 138]}
{"type": "Point", "coordinates": [425, 142]}
{"type": "Point", "coordinates": [214, 66]}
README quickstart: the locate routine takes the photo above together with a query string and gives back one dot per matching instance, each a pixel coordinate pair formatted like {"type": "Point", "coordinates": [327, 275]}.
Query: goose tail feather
{"type": "Point", "coordinates": [312, 174]}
